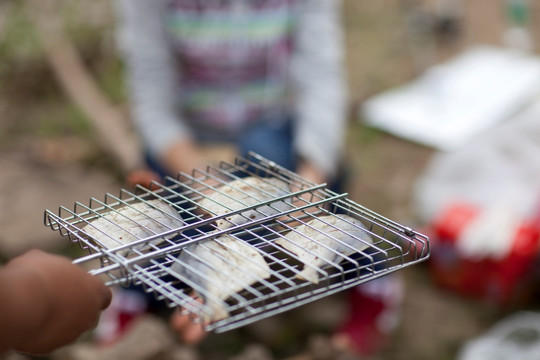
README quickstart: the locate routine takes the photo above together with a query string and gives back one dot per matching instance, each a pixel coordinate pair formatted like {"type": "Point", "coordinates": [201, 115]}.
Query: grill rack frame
{"type": "Point", "coordinates": [394, 247]}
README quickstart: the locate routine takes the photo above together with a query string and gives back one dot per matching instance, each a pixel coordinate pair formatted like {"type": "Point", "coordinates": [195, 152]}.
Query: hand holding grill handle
{"type": "Point", "coordinates": [309, 171]}
{"type": "Point", "coordinates": [187, 331]}
{"type": "Point", "coordinates": [143, 177]}
{"type": "Point", "coordinates": [46, 302]}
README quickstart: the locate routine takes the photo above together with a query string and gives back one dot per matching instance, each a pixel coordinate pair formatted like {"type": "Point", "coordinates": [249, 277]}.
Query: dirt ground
{"type": "Point", "coordinates": [434, 323]}
{"type": "Point", "coordinates": [42, 172]}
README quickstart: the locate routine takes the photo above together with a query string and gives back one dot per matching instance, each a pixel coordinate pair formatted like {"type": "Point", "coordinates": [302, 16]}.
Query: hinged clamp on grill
{"type": "Point", "coordinates": [238, 242]}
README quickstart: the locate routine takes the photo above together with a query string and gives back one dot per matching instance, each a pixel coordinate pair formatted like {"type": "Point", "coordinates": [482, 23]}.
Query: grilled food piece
{"type": "Point", "coordinates": [218, 268]}
{"type": "Point", "coordinates": [133, 222]}
{"type": "Point", "coordinates": [246, 192]}
{"type": "Point", "coordinates": [323, 241]}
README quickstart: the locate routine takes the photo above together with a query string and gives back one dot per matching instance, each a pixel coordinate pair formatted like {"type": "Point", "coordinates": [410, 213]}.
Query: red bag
{"type": "Point", "coordinates": [497, 281]}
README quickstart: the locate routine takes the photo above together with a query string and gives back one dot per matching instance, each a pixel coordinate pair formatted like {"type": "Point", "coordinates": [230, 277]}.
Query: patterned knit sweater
{"type": "Point", "coordinates": [215, 66]}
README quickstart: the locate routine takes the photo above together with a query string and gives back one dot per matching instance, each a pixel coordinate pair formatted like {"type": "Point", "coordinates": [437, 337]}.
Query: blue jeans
{"type": "Point", "coordinates": [270, 139]}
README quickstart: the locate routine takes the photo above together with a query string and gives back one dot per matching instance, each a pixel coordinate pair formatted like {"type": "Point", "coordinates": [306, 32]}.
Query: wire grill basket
{"type": "Point", "coordinates": [237, 242]}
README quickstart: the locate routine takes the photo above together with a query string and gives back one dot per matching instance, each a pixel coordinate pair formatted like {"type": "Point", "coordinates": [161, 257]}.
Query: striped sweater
{"type": "Point", "coordinates": [214, 66]}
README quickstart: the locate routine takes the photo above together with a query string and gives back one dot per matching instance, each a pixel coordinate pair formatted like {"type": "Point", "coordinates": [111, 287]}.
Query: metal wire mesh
{"type": "Point", "coordinates": [237, 242]}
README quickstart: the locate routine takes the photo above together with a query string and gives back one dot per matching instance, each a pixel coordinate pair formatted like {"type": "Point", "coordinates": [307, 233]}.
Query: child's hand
{"type": "Point", "coordinates": [142, 177]}
{"type": "Point", "coordinates": [188, 332]}
{"type": "Point", "coordinates": [50, 302]}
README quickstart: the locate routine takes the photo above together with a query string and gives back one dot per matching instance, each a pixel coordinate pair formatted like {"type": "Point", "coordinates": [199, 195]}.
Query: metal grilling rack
{"type": "Point", "coordinates": [220, 250]}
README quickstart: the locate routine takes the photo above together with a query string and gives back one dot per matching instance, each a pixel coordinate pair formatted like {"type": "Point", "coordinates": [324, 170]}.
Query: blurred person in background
{"type": "Point", "coordinates": [255, 75]}
{"type": "Point", "coordinates": [261, 75]}
{"type": "Point", "coordinates": [47, 302]}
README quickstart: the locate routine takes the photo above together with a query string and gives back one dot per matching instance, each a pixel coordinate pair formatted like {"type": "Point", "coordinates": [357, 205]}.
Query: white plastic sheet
{"type": "Point", "coordinates": [453, 102]}
{"type": "Point", "coordinates": [516, 337]}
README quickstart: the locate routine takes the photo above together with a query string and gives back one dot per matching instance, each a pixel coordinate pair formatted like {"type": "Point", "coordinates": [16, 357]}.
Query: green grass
{"type": "Point", "coordinates": [17, 37]}
{"type": "Point", "coordinates": [33, 102]}
{"type": "Point", "coordinates": [62, 118]}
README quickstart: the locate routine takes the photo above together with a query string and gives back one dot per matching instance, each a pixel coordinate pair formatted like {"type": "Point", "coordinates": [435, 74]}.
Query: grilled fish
{"type": "Point", "coordinates": [323, 241]}
{"type": "Point", "coordinates": [133, 222]}
{"type": "Point", "coordinates": [246, 192]}
{"type": "Point", "coordinates": [218, 268]}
